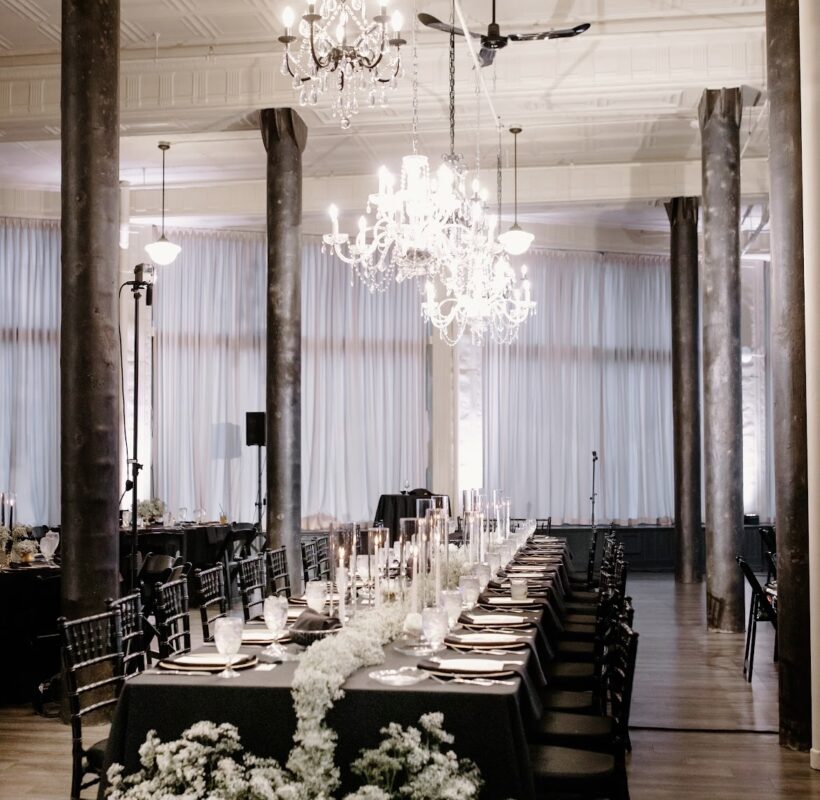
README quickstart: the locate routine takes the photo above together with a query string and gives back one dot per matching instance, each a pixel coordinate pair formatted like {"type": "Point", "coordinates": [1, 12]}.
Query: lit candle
{"type": "Point", "coordinates": [437, 563]}
{"type": "Point", "coordinates": [414, 607]}
{"type": "Point", "coordinates": [377, 589]}
{"type": "Point", "coordinates": [341, 585]}
{"type": "Point", "coordinates": [353, 548]}
{"type": "Point", "coordinates": [2, 508]}
{"type": "Point", "coordinates": [334, 217]}
{"type": "Point", "coordinates": [11, 512]}
{"type": "Point", "coordinates": [341, 556]}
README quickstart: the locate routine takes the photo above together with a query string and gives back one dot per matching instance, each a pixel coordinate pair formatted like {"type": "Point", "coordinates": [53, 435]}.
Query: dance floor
{"type": "Point", "coordinates": [699, 729]}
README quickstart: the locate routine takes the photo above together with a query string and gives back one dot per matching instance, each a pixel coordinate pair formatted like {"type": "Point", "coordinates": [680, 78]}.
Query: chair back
{"type": "Point", "coordinates": [768, 537]}
{"type": "Point", "coordinates": [133, 641]}
{"type": "Point", "coordinates": [209, 595]}
{"type": "Point", "coordinates": [310, 560]}
{"type": "Point", "coordinates": [173, 625]}
{"type": "Point", "coordinates": [92, 658]}
{"type": "Point", "coordinates": [252, 585]}
{"type": "Point", "coordinates": [155, 568]}
{"type": "Point", "coordinates": [593, 552]}
{"type": "Point", "coordinates": [278, 575]}
{"type": "Point", "coordinates": [323, 558]}
{"type": "Point", "coordinates": [761, 604]}
{"type": "Point", "coordinates": [244, 536]}
{"type": "Point", "coordinates": [622, 675]}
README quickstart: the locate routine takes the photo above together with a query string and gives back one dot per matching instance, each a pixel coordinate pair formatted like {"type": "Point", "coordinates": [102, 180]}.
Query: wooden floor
{"type": "Point", "coordinates": [700, 730]}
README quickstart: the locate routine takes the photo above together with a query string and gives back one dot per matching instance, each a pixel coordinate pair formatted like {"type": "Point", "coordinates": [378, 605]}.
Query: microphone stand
{"type": "Point", "coordinates": [593, 549]}
{"type": "Point", "coordinates": [137, 285]}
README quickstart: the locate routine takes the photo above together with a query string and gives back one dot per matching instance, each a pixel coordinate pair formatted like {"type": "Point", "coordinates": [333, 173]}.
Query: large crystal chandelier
{"type": "Point", "coordinates": [476, 288]}
{"type": "Point", "coordinates": [339, 47]}
{"type": "Point", "coordinates": [410, 216]}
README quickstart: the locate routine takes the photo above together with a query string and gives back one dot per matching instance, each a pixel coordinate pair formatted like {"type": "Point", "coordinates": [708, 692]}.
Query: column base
{"type": "Point", "coordinates": [814, 758]}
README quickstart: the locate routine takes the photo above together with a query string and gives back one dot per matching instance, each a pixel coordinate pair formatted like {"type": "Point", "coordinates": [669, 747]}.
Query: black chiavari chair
{"type": "Point", "coordinates": [323, 558]}
{"type": "Point", "coordinates": [210, 596]}
{"type": "Point", "coordinates": [173, 624]}
{"type": "Point", "coordinates": [761, 609]}
{"type": "Point", "coordinates": [252, 586]}
{"type": "Point", "coordinates": [92, 657]}
{"type": "Point", "coordinates": [310, 560]}
{"type": "Point", "coordinates": [278, 575]}
{"type": "Point", "coordinates": [133, 639]}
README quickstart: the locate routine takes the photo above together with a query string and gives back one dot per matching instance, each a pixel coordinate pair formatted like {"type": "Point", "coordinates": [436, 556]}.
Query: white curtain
{"type": "Point", "coordinates": [363, 392]}
{"type": "Point", "coordinates": [30, 368]}
{"type": "Point", "coordinates": [209, 319]}
{"type": "Point", "coordinates": [364, 418]}
{"type": "Point", "coordinates": [591, 371]}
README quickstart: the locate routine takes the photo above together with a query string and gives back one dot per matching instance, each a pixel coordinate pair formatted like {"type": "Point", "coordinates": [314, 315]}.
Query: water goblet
{"type": "Point", "coordinates": [228, 640]}
{"type": "Point", "coordinates": [434, 626]}
{"type": "Point", "coordinates": [482, 572]}
{"type": "Point", "coordinates": [275, 613]}
{"type": "Point", "coordinates": [494, 560]}
{"type": "Point", "coordinates": [451, 600]}
{"type": "Point", "coordinates": [470, 590]}
{"type": "Point", "coordinates": [182, 514]}
{"type": "Point", "coordinates": [315, 592]}
{"type": "Point", "coordinates": [126, 518]}
{"type": "Point", "coordinates": [48, 546]}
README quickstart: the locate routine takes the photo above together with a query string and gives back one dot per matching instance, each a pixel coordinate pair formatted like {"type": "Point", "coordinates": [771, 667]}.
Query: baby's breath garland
{"type": "Point", "coordinates": [208, 762]}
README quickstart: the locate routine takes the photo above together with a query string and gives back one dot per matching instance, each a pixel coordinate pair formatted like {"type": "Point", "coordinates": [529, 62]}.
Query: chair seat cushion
{"type": "Point", "coordinates": [558, 725]}
{"type": "Point", "coordinates": [95, 755]}
{"type": "Point", "coordinates": [568, 764]}
{"type": "Point", "coordinates": [564, 700]}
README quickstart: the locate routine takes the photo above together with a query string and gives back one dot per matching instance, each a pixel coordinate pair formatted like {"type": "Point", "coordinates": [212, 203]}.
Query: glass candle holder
{"type": "Point", "coordinates": [470, 590]}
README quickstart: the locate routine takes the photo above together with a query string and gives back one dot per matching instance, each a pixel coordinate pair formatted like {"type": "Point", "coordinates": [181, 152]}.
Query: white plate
{"type": "Point", "coordinates": [495, 619]}
{"type": "Point", "coordinates": [209, 659]}
{"type": "Point", "coordinates": [508, 601]}
{"type": "Point", "coordinates": [485, 638]}
{"type": "Point", "coordinates": [257, 637]}
{"type": "Point", "coordinates": [478, 666]}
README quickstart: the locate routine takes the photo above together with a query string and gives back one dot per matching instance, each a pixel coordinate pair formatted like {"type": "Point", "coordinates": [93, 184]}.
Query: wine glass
{"type": "Point", "coordinates": [228, 640]}
{"type": "Point", "coordinates": [126, 518]}
{"type": "Point", "coordinates": [434, 626]}
{"type": "Point", "coordinates": [48, 546]}
{"type": "Point", "coordinates": [182, 515]}
{"type": "Point", "coordinates": [315, 592]}
{"type": "Point", "coordinates": [275, 613]}
{"type": "Point", "coordinates": [451, 600]}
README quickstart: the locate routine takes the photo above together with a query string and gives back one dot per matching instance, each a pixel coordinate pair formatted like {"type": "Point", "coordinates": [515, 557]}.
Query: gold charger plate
{"type": "Point", "coordinates": [186, 664]}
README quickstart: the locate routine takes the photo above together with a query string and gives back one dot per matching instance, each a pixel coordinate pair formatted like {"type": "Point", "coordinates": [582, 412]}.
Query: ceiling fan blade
{"type": "Point", "coordinates": [558, 33]}
{"type": "Point", "coordinates": [486, 56]}
{"type": "Point", "coordinates": [431, 22]}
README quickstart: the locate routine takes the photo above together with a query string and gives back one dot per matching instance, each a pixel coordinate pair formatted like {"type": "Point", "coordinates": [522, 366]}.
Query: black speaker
{"type": "Point", "coordinates": [255, 428]}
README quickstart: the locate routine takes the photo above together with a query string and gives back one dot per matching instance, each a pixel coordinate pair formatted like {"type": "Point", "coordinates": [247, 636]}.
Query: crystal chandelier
{"type": "Point", "coordinates": [409, 218]}
{"type": "Point", "coordinates": [337, 42]}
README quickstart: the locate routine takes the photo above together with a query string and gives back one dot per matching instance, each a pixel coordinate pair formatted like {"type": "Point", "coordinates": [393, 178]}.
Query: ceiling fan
{"type": "Point", "coordinates": [493, 40]}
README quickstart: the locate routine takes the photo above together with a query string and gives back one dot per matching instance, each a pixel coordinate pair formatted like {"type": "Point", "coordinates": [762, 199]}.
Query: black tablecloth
{"type": "Point", "coordinates": [29, 607]}
{"type": "Point", "coordinates": [392, 507]}
{"type": "Point", "coordinates": [488, 722]}
{"type": "Point", "coordinates": [199, 544]}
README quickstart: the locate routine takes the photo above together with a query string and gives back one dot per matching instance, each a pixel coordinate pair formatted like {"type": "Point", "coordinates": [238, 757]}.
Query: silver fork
{"type": "Point", "coordinates": [474, 681]}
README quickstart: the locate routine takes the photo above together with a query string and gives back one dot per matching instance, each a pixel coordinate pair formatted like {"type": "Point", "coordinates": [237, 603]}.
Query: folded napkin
{"type": "Point", "coordinates": [309, 620]}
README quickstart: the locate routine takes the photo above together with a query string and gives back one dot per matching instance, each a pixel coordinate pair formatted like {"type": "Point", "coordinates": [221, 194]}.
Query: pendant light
{"type": "Point", "coordinates": [162, 251]}
{"type": "Point", "coordinates": [516, 241]}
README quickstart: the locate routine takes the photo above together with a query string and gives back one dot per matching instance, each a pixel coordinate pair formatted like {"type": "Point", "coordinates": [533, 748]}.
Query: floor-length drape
{"type": "Point", "coordinates": [364, 427]}
{"type": "Point", "coordinates": [364, 418]}
{"type": "Point", "coordinates": [591, 371]}
{"type": "Point", "coordinates": [209, 322]}
{"type": "Point", "coordinates": [30, 367]}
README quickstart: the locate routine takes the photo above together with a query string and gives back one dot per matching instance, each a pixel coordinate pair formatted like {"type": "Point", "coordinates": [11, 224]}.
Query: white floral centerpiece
{"type": "Point", "coordinates": [5, 538]}
{"type": "Point", "coordinates": [151, 509]}
{"type": "Point", "coordinates": [209, 763]}
{"type": "Point", "coordinates": [24, 550]}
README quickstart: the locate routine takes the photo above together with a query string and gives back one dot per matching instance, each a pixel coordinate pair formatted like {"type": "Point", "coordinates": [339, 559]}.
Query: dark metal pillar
{"type": "Point", "coordinates": [89, 367]}
{"type": "Point", "coordinates": [285, 135]}
{"type": "Point", "coordinates": [789, 371]}
{"type": "Point", "coordinates": [720, 113]}
{"type": "Point", "coordinates": [683, 218]}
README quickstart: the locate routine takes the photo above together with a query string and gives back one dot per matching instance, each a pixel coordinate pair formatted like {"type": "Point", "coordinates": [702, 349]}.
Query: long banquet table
{"type": "Point", "coordinates": [489, 723]}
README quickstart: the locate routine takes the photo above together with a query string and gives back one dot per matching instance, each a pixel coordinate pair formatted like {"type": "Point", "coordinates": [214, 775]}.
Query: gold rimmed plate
{"type": "Point", "coordinates": [466, 668]}
{"type": "Point", "coordinates": [208, 662]}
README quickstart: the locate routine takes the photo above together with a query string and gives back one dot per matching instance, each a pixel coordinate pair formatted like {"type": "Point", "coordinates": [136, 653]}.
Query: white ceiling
{"type": "Point", "coordinates": [194, 71]}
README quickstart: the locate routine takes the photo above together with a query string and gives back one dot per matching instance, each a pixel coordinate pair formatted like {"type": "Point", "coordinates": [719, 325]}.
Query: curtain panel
{"type": "Point", "coordinates": [590, 371]}
{"type": "Point", "coordinates": [30, 367]}
{"type": "Point", "coordinates": [364, 420]}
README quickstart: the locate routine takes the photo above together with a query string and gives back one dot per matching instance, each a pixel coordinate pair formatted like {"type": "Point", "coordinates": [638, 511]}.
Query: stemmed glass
{"type": "Point", "coordinates": [228, 640]}
{"type": "Point", "coordinates": [434, 626]}
{"type": "Point", "coordinates": [49, 544]}
{"type": "Point", "coordinates": [315, 595]}
{"type": "Point", "coordinates": [275, 612]}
